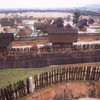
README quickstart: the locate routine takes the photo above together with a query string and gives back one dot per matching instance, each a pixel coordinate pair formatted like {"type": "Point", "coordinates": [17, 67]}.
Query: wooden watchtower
{"type": "Point", "coordinates": [5, 40]}
{"type": "Point", "coordinates": [62, 35]}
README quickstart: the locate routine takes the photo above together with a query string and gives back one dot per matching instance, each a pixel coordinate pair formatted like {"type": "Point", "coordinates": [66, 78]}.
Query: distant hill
{"type": "Point", "coordinates": [90, 7]}
{"type": "Point", "coordinates": [93, 6]}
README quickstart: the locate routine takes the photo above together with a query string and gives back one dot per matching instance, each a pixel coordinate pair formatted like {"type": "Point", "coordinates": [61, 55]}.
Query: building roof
{"type": "Point", "coordinates": [68, 26]}
{"type": "Point", "coordinates": [59, 22]}
{"type": "Point", "coordinates": [62, 30]}
{"type": "Point", "coordinates": [54, 29]}
{"type": "Point", "coordinates": [26, 31]}
{"type": "Point", "coordinates": [6, 35]}
{"type": "Point", "coordinates": [82, 23]}
{"type": "Point", "coordinates": [5, 39]}
{"type": "Point", "coordinates": [7, 22]}
{"type": "Point", "coordinates": [39, 24]}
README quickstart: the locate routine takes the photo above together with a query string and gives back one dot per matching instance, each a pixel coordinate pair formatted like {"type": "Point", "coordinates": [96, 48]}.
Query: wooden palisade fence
{"type": "Point", "coordinates": [16, 91]}
{"type": "Point", "coordinates": [48, 49]}
{"type": "Point", "coordinates": [68, 74]}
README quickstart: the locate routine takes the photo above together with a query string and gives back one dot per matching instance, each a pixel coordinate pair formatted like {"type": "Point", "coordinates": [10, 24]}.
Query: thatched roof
{"type": "Point", "coordinates": [48, 21]}
{"type": "Point", "coordinates": [82, 23]}
{"type": "Point", "coordinates": [90, 21]}
{"type": "Point", "coordinates": [7, 22]}
{"type": "Point", "coordinates": [5, 39]}
{"type": "Point", "coordinates": [39, 24]}
{"type": "Point", "coordinates": [68, 26]}
{"type": "Point", "coordinates": [26, 31]}
{"type": "Point", "coordinates": [59, 22]}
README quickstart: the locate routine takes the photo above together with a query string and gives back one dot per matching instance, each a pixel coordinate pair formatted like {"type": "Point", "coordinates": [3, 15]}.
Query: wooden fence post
{"type": "Point", "coordinates": [46, 78]}
{"type": "Point", "coordinates": [52, 77]}
{"type": "Point", "coordinates": [49, 76]}
{"type": "Point", "coordinates": [66, 74]}
{"type": "Point", "coordinates": [19, 89]}
{"type": "Point", "coordinates": [11, 92]}
{"type": "Point", "coordinates": [73, 72]}
{"type": "Point", "coordinates": [93, 71]}
{"type": "Point", "coordinates": [6, 94]}
{"type": "Point", "coordinates": [77, 70]}
{"type": "Point", "coordinates": [2, 94]}
{"type": "Point", "coordinates": [88, 73]}
{"type": "Point", "coordinates": [27, 86]}
{"type": "Point", "coordinates": [37, 80]}
{"type": "Point", "coordinates": [57, 75]}
{"type": "Point", "coordinates": [42, 80]}
{"type": "Point", "coordinates": [97, 76]}
{"type": "Point", "coordinates": [69, 73]}
{"type": "Point", "coordinates": [80, 73]}
{"type": "Point", "coordinates": [83, 73]}
{"type": "Point", "coordinates": [16, 91]}
{"type": "Point", "coordinates": [62, 75]}
{"type": "Point", "coordinates": [23, 88]}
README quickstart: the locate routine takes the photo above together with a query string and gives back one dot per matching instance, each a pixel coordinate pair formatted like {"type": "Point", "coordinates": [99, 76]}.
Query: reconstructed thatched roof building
{"type": "Point", "coordinates": [58, 33]}
{"type": "Point", "coordinates": [82, 23]}
{"type": "Point", "coordinates": [59, 22]}
{"type": "Point", "coordinates": [5, 40]}
{"type": "Point", "coordinates": [62, 35]}
{"type": "Point", "coordinates": [26, 31]}
{"type": "Point", "coordinates": [7, 22]}
{"type": "Point", "coordinates": [39, 24]}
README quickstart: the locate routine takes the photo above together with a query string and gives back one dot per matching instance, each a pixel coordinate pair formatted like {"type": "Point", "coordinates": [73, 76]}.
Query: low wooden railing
{"type": "Point", "coordinates": [15, 91]}
{"type": "Point", "coordinates": [68, 74]}
{"type": "Point", "coordinates": [57, 76]}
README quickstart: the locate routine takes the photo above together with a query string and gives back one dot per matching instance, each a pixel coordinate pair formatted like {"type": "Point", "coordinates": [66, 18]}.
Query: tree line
{"type": "Point", "coordinates": [83, 12]}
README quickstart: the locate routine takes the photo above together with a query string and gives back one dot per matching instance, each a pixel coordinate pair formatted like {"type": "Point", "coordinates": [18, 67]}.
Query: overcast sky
{"type": "Point", "coordinates": [45, 3]}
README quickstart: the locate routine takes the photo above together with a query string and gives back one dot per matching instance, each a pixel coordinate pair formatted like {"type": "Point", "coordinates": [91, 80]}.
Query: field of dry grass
{"type": "Point", "coordinates": [37, 14]}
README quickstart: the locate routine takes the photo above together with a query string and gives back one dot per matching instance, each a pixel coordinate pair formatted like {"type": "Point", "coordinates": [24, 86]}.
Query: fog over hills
{"type": "Point", "coordinates": [90, 7]}
{"type": "Point", "coordinates": [93, 7]}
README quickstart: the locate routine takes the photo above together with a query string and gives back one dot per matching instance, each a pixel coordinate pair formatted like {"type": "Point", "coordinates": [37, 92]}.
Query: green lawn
{"type": "Point", "coordinates": [9, 76]}
{"type": "Point", "coordinates": [97, 30]}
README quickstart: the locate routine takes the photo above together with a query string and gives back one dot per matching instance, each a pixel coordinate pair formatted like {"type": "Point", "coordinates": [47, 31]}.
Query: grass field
{"type": "Point", "coordinates": [97, 30]}
{"type": "Point", "coordinates": [9, 76]}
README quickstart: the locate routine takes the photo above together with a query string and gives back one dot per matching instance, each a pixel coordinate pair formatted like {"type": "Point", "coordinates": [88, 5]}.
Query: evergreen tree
{"type": "Point", "coordinates": [76, 18]}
